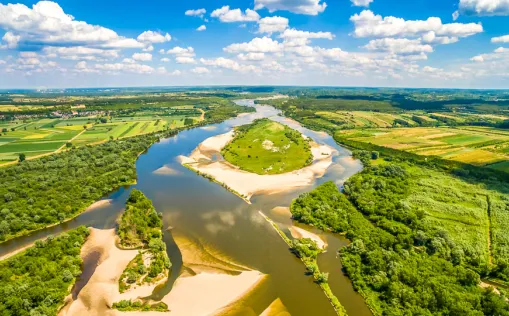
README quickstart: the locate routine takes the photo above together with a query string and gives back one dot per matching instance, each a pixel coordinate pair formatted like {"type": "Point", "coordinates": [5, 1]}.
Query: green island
{"type": "Point", "coordinates": [36, 281]}
{"type": "Point", "coordinates": [268, 147]}
{"type": "Point", "coordinates": [140, 227]}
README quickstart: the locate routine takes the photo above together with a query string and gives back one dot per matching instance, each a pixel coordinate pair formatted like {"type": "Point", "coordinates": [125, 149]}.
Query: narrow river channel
{"type": "Point", "coordinates": [201, 210]}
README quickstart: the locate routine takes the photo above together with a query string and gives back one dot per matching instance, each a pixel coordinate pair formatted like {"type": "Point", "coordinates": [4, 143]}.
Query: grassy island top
{"type": "Point", "coordinates": [268, 147]}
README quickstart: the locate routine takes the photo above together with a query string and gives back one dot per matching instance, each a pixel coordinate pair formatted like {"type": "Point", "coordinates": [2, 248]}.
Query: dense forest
{"type": "Point", "coordinates": [38, 193]}
{"type": "Point", "coordinates": [140, 227]}
{"type": "Point", "coordinates": [399, 268]}
{"type": "Point", "coordinates": [36, 281]}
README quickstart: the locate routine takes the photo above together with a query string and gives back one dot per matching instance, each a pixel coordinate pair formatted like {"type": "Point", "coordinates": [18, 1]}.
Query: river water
{"type": "Point", "coordinates": [202, 210]}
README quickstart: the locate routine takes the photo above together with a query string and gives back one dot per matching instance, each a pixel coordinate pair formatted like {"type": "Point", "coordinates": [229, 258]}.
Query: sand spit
{"type": "Point", "coordinates": [299, 233]}
{"type": "Point", "coordinates": [101, 290]}
{"type": "Point", "coordinates": [282, 210]}
{"type": "Point", "coordinates": [247, 184]}
{"type": "Point", "coordinates": [99, 204]}
{"type": "Point", "coordinates": [167, 171]}
{"type": "Point", "coordinates": [276, 308]}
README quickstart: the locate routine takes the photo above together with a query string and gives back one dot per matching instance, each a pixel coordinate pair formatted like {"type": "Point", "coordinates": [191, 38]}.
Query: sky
{"type": "Point", "coordinates": [368, 43]}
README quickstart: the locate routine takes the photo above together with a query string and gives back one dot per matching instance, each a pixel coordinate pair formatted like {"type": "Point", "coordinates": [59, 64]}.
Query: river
{"type": "Point", "coordinates": [205, 211]}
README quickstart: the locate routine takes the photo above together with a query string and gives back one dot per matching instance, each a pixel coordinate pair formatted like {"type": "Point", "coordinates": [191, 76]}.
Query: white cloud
{"type": "Point", "coordinates": [401, 46]}
{"type": "Point", "coordinates": [228, 64]}
{"type": "Point", "coordinates": [149, 48]}
{"type": "Point", "coordinates": [11, 40]}
{"type": "Point", "coordinates": [125, 67]}
{"type": "Point", "coordinates": [153, 37]}
{"type": "Point", "coordinates": [367, 24]}
{"type": "Point", "coordinates": [175, 73]}
{"type": "Point", "coordinates": [361, 3]}
{"type": "Point", "coordinates": [185, 60]}
{"type": "Point", "coordinates": [431, 38]}
{"type": "Point", "coordinates": [165, 60]}
{"type": "Point", "coordinates": [200, 70]}
{"type": "Point", "coordinates": [309, 7]}
{"type": "Point", "coordinates": [500, 39]}
{"type": "Point", "coordinates": [201, 28]}
{"type": "Point", "coordinates": [256, 45]}
{"type": "Point", "coordinates": [251, 56]}
{"type": "Point", "coordinates": [273, 24]}
{"type": "Point", "coordinates": [142, 56]}
{"type": "Point", "coordinates": [80, 53]}
{"type": "Point", "coordinates": [198, 12]}
{"type": "Point", "coordinates": [129, 61]}
{"type": "Point", "coordinates": [228, 16]}
{"type": "Point", "coordinates": [181, 52]}
{"type": "Point", "coordinates": [478, 59]}
{"type": "Point", "coordinates": [294, 34]}
{"type": "Point", "coordinates": [484, 7]}
{"type": "Point", "coordinates": [46, 24]}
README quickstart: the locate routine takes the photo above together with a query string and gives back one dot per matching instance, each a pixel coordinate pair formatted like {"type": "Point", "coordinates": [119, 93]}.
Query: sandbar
{"type": "Point", "coordinates": [247, 184]}
{"type": "Point", "coordinates": [299, 233]}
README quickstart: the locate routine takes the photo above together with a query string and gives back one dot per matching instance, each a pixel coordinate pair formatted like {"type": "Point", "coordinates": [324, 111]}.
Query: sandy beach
{"type": "Point", "coordinates": [248, 184]}
{"type": "Point", "coordinates": [166, 171]}
{"type": "Point", "coordinates": [101, 290]}
{"type": "Point", "coordinates": [99, 204]}
{"type": "Point", "coordinates": [211, 281]}
{"type": "Point", "coordinates": [299, 233]}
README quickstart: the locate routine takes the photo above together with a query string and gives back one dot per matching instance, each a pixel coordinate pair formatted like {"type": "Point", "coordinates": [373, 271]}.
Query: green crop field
{"type": "Point", "coordinates": [267, 147]}
{"type": "Point", "coordinates": [482, 147]}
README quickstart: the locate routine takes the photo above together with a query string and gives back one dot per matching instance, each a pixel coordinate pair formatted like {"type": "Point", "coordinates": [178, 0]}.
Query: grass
{"type": "Point", "coordinates": [267, 147]}
{"type": "Point", "coordinates": [477, 146]}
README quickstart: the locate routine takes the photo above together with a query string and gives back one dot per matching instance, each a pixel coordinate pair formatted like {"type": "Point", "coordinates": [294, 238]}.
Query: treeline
{"type": "Point", "coordinates": [49, 190]}
{"type": "Point", "coordinates": [400, 267]}
{"type": "Point", "coordinates": [36, 281]}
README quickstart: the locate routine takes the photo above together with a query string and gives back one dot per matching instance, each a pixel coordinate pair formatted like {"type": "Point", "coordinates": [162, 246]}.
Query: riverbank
{"type": "Point", "coordinates": [246, 184]}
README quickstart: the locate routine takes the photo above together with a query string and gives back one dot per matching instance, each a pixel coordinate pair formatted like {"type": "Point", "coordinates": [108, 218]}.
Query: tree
{"type": "Point", "coordinates": [22, 157]}
{"type": "Point", "coordinates": [68, 145]}
{"type": "Point", "coordinates": [4, 130]}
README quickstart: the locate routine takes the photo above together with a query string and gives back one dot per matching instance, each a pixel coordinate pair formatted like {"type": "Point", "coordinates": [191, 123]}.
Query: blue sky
{"type": "Point", "coordinates": [420, 43]}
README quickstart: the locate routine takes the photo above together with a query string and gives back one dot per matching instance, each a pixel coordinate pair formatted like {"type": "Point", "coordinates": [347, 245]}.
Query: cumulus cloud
{"type": "Point", "coordinates": [500, 39]}
{"type": "Point", "coordinates": [185, 60]}
{"type": "Point", "coordinates": [294, 34]}
{"type": "Point", "coordinates": [256, 45]}
{"type": "Point", "coordinates": [401, 46]}
{"type": "Point", "coordinates": [200, 70]}
{"type": "Point", "coordinates": [251, 56]}
{"type": "Point", "coordinates": [228, 64]}
{"type": "Point", "coordinates": [361, 3]}
{"type": "Point", "coordinates": [198, 12]}
{"type": "Point", "coordinates": [483, 7]}
{"type": "Point", "coordinates": [367, 24]}
{"type": "Point", "coordinates": [201, 28]}
{"type": "Point", "coordinates": [46, 24]}
{"type": "Point", "coordinates": [80, 53]}
{"type": "Point", "coordinates": [273, 24]}
{"type": "Point", "coordinates": [309, 7]}
{"type": "Point", "coordinates": [165, 60]}
{"type": "Point", "coordinates": [142, 56]}
{"type": "Point", "coordinates": [125, 67]}
{"type": "Point", "coordinates": [153, 37]}
{"type": "Point", "coordinates": [235, 15]}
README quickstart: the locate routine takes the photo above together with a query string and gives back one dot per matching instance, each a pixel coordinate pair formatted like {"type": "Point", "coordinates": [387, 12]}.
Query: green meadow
{"type": "Point", "coordinates": [267, 147]}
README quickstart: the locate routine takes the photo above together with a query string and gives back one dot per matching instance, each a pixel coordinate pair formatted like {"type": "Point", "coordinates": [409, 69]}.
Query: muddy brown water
{"type": "Point", "coordinates": [206, 211]}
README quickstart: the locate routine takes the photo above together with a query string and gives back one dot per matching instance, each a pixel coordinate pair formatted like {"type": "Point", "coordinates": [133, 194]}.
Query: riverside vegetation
{"type": "Point", "coordinates": [140, 227]}
{"type": "Point", "coordinates": [399, 259]}
{"type": "Point", "coordinates": [36, 281]}
{"type": "Point", "coordinates": [268, 147]}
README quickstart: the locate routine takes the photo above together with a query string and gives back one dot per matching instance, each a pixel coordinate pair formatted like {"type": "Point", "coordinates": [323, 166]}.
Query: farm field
{"type": "Point", "coordinates": [267, 147]}
{"type": "Point", "coordinates": [477, 146]}
{"type": "Point", "coordinates": [356, 119]}
{"type": "Point", "coordinates": [44, 136]}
